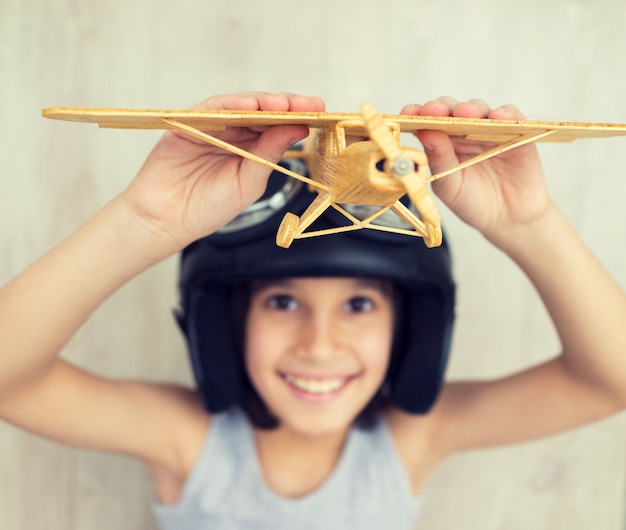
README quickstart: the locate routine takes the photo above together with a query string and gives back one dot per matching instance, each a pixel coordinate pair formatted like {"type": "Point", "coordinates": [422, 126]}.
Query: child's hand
{"type": "Point", "coordinates": [494, 196]}
{"type": "Point", "coordinates": [187, 188]}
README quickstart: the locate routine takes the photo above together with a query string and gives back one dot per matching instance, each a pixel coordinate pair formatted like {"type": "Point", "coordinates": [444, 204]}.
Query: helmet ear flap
{"type": "Point", "coordinates": [212, 351]}
{"type": "Point", "coordinates": [179, 317]}
{"type": "Point", "coordinates": [419, 374]}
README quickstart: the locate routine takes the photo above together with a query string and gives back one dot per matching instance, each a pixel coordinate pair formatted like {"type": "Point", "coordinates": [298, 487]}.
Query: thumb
{"type": "Point", "coordinates": [441, 156]}
{"type": "Point", "coordinates": [273, 142]}
{"type": "Point", "coordinates": [439, 150]}
{"type": "Point", "coordinates": [271, 146]}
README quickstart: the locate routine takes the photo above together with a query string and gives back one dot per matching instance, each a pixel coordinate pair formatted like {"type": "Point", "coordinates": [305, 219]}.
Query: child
{"type": "Point", "coordinates": [321, 349]}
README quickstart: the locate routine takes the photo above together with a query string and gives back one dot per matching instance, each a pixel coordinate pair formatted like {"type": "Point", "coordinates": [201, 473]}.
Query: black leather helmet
{"type": "Point", "coordinates": [245, 250]}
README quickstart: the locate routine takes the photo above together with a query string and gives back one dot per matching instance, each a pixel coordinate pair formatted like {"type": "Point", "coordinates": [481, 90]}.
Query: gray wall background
{"type": "Point", "coordinates": [558, 60]}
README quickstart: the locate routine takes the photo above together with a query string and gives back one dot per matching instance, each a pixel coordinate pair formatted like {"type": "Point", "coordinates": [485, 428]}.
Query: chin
{"type": "Point", "coordinates": [311, 426]}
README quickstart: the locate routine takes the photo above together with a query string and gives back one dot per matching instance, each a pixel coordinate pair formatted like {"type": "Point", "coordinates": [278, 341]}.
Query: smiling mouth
{"type": "Point", "coordinates": [317, 387]}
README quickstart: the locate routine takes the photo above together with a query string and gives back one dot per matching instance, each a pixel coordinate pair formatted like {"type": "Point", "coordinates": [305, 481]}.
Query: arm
{"type": "Point", "coordinates": [162, 210]}
{"type": "Point", "coordinates": [505, 198]}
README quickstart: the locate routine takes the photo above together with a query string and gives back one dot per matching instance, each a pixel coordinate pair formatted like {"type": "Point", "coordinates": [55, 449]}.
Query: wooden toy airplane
{"type": "Point", "coordinates": [352, 158]}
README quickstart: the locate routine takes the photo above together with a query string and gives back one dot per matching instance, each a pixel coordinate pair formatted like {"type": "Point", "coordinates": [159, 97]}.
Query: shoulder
{"type": "Point", "coordinates": [163, 425]}
{"type": "Point", "coordinates": [216, 447]}
{"type": "Point", "coordinates": [540, 401]}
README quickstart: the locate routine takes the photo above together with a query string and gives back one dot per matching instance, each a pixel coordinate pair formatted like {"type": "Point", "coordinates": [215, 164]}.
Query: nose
{"type": "Point", "coordinates": [319, 339]}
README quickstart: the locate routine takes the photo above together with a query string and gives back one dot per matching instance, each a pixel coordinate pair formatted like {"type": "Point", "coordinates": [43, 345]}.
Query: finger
{"type": "Point", "coordinates": [240, 101]}
{"type": "Point", "coordinates": [436, 144]}
{"type": "Point", "coordinates": [287, 102]}
{"type": "Point", "coordinates": [474, 108]}
{"type": "Point", "coordinates": [443, 106]}
{"type": "Point", "coordinates": [272, 144]}
{"type": "Point", "coordinates": [412, 109]}
{"type": "Point", "coordinates": [507, 112]}
{"type": "Point", "coordinates": [269, 102]}
{"type": "Point", "coordinates": [439, 150]}
{"type": "Point", "coordinates": [262, 101]}
{"type": "Point", "coordinates": [252, 100]}
{"type": "Point", "coordinates": [300, 103]}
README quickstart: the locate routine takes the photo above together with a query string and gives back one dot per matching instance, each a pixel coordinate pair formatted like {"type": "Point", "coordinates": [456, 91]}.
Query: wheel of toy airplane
{"type": "Point", "coordinates": [287, 230]}
{"type": "Point", "coordinates": [434, 237]}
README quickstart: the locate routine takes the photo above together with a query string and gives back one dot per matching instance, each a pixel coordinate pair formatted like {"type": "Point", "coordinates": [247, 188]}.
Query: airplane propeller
{"type": "Point", "coordinates": [407, 165]}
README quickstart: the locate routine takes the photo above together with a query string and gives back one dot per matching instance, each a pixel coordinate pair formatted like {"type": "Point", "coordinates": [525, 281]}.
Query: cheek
{"type": "Point", "coordinates": [252, 346]}
{"type": "Point", "coordinates": [380, 363]}
{"type": "Point", "coordinates": [387, 336]}
{"type": "Point", "coordinates": [377, 352]}
{"type": "Point", "coordinates": [259, 348]}
{"type": "Point", "coordinates": [255, 368]}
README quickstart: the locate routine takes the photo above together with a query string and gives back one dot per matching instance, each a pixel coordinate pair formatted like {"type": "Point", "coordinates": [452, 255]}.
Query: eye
{"type": "Point", "coordinates": [282, 302]}
{"type": "Point", "coordinates": [359, 304]}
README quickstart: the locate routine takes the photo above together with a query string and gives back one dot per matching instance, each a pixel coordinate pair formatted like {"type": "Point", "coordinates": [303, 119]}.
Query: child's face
{"type": "Point", "coordinates": [317, 349]}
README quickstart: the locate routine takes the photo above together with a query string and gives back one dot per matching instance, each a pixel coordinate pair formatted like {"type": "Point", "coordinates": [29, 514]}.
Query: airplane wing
{"type": "Point", "coordinates": [216, 120]}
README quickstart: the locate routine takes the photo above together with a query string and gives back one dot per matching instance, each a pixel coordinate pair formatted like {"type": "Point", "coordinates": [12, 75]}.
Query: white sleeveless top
{"type": "Point", "coordinates": [368, 489]}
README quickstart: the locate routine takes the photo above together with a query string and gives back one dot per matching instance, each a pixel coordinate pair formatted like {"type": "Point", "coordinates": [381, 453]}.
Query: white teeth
{"type": "Point", "coordinates": [315, 386]}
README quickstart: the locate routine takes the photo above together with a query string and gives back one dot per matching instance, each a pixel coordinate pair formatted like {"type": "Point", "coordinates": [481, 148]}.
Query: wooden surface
{"type": "Point", "coordinates": [491, 130]}
{"type": "Point", "coordinates": [159, 54]}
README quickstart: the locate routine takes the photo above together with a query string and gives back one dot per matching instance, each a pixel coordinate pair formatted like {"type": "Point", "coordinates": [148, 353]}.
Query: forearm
{"type": "Point", "coordinates": [587, 306]}
{"type": "Point", "coordinates": [185, 190]}
{"type": "Point", "coordinates": [45, 305]}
